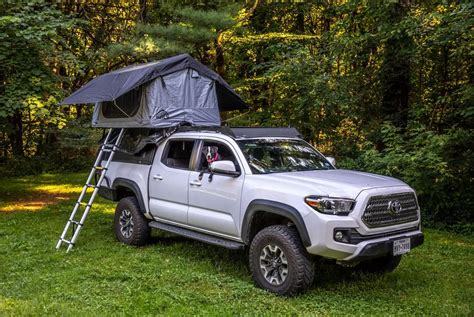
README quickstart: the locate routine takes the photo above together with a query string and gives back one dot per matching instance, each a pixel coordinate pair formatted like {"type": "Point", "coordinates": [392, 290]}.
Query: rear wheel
{"type": "Point", "coordinates": [279, 262]}
{"type": "Point", "coordinates": [131, 226]}
{"type": "Point", "coordinates": [384, 264]}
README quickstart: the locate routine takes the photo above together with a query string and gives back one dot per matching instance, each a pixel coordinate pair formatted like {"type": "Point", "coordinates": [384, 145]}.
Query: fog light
{"type": "Point", "coordinates": [342, 235]}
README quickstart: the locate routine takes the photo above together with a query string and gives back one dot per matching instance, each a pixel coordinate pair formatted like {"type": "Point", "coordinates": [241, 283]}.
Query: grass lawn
{"type": "Point", "coordinates": [174, 275]}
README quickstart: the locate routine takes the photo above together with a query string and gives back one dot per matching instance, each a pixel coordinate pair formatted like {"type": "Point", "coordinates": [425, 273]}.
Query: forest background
{"type": "Point", "coordinates": [384, 86]}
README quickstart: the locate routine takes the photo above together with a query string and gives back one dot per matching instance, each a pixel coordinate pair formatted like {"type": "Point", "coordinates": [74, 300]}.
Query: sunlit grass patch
{"type": "Point", "coordinates": [100, 206]}
{"type": "Point", "coordinates": [58, 189]}
{"type": "Point", "coordinates": [35, 193]}
{"type": "Point", "coordinates": [23, 206]}
{"type": "Point", "coordinates": [35, 198]}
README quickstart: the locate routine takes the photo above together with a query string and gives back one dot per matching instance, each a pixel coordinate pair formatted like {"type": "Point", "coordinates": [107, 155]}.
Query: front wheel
{"type": "Point", "coordinates": [279, 262]}
{"type": "Point", "coordinates": [131, 226]}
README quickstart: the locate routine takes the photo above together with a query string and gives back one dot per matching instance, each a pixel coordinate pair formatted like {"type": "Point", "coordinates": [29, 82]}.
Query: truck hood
{"type": "Point", "coordinates": [336, 183]}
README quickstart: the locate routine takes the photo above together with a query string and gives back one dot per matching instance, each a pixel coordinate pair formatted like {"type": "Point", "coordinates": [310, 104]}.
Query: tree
{"type": "Point", "coordinates": [28, 56]}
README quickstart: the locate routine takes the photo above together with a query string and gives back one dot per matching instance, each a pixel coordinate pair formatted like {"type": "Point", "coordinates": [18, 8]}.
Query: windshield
{"type": "Point", "coordinates": [279, 155]}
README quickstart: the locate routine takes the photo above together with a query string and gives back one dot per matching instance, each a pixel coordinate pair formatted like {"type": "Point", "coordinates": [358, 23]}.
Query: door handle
{"type": "Point", "coordinates": [195, 183]}
{"type": "Point", "coordinates": [157, 177]}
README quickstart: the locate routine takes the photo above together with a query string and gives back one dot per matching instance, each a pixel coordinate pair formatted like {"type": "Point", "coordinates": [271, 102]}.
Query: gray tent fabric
{"type": "Point", "coordinates": [158, 94]}
{"type": "Point", "coordinates": [182, 96]}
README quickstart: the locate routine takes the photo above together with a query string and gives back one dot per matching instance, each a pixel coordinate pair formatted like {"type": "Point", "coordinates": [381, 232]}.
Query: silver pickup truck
{"type": "Point", "coordinates": [266, 190]}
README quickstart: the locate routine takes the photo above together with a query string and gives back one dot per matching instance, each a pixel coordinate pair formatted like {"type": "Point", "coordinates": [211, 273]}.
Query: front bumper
{"type": "Point", "coordinates": [323, 229]}
{"type": "Point", "coordinates": [381, 248]}
{"type": "Point", "coordinates": [360, 247]}
{"type": "Point", "coordinates": [370, 247]}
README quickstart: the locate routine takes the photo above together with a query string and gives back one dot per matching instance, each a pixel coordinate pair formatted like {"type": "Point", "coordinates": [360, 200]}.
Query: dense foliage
{"type": "Point", "coordinates": [385, 87]}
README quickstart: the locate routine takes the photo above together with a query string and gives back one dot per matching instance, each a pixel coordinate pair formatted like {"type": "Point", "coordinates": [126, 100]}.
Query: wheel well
{"type": "Point", "coordinates": [263, 219]}
{"type": "Point", "coordinates": [126, 188]}
{"type": "Point", "coordinates": [123, 192]}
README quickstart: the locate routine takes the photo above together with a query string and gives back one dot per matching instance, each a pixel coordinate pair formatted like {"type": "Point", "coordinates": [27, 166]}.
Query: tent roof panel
{"type": "Point", "coordinates": [110, 86]}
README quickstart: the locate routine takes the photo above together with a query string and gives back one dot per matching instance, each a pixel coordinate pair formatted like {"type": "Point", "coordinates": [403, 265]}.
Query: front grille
{"type": "Point", "coordinates": [378, 214]}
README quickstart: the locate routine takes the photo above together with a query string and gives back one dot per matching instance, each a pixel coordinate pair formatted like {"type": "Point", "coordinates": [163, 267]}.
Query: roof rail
{"type": "Point", "coordinates": [262, 132]}
{"type": "Point", "coordinates": [224, 130]}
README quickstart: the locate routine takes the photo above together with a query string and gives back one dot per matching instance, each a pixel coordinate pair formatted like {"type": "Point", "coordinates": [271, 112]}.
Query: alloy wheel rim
{"type": "Point", "coordinates": [126, 223]}
{"type": "Point", "coordinates": [273, 264]}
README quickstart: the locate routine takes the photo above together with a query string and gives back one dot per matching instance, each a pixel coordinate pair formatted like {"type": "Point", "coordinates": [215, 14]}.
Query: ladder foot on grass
{"type": "Point", "coordinates": [76, 219]}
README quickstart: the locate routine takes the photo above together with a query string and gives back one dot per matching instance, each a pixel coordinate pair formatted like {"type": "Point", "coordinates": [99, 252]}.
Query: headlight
{"type": "Point", "coordinates": [329, 205]}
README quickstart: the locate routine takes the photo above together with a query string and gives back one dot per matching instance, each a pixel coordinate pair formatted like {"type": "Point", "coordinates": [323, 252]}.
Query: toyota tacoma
{"type": "Point", "coordinates": [265, 190]}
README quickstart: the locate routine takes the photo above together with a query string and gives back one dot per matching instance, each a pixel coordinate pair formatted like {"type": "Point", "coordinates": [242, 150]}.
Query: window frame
{"type": "Point", "coordinates": [198, 157]}
{"type": "Point", "coordinates": [117, 106]}
{"type": "Point", "coordinates": [281, 139]}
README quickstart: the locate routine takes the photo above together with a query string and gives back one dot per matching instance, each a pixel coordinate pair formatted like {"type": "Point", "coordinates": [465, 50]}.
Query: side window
{"type": "Point", "coordinates": [178, 154]}
{"type": "Point", "coordinates": [215, 151]}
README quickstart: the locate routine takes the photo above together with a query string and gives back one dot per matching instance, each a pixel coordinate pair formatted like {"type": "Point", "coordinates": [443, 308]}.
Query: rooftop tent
{"type": "Point", "coordinates": [158, 95]}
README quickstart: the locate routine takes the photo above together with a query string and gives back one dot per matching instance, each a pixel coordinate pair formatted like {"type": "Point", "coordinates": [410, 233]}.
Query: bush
{"type": "Point", "coordinates": [73, 150]}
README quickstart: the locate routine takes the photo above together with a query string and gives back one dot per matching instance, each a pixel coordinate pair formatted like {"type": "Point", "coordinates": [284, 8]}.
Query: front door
{"type": "Point", "coordinates": [214, 203]}
{"type": "Point", "coordinates": [169, 181]}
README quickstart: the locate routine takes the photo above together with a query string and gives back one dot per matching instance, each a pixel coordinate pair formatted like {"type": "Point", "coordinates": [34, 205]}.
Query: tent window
{"type": "Point", "coordinates": [128, 104]}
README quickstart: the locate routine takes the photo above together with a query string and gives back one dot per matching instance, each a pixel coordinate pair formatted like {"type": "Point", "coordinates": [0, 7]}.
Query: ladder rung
{"type": "Point", "coordinates": [75, 222]}
{"type": "Point", "coordinates": [100, 168]}
{"type": "Point", "coordinates": [81, 203]}
{"type": "Point", "coordinates": [108, 150]}
{"type": "Point", "coordinates": [91, 186]}
{"type": "Point", "coordinates": [66, 241]}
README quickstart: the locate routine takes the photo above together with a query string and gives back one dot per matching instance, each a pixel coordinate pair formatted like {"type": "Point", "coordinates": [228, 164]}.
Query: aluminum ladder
{"type": "Point", "coordinates": [110, 145]}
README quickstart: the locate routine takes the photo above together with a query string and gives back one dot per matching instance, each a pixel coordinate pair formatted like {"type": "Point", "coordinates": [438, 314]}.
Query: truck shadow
{"type": "Point", "coordinates": [192, 249]}
{"type": "Point", "coordinates": [235, 262]}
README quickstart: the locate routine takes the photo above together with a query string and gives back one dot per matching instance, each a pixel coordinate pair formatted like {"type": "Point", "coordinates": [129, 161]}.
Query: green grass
{"type": "Point", "coordinates": [175, 276]}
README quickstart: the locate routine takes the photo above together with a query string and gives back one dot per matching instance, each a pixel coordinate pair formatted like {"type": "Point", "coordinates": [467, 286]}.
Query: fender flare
{"type": "Point", "coordinates": [132, 186]}
{"type": "Point", "coordinates": [277, 208]}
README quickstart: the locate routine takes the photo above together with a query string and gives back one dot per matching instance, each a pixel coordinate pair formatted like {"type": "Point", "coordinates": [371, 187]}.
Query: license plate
{"type": "Point", "coordinates": [401, 246]}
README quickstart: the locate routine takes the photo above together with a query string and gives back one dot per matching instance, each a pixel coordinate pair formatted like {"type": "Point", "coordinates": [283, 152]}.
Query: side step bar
{"type": "Point", "coordinates": [229, 244]}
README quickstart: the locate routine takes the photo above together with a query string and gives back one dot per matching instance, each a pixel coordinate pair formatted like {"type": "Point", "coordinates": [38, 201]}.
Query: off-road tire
{"type": "Point", "coordinates": [381, 265]}
{"type": "Point", "coordinates": [140, 233]}
{"type": "Point", "coordinates": [299, 263]}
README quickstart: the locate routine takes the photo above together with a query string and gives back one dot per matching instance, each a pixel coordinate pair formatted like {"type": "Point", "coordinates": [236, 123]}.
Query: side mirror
{"type": "Point", "coordinates": [331, 160]}
{"type": "Point", "coordinates": [224, 168]}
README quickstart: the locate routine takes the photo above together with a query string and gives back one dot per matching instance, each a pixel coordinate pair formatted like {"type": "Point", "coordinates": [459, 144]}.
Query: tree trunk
{"type": "Point", "coordinates": [78, 111]}
{"type": "Point", "coordinates": [220, 62]}
{"type": "Point", "coordinates": [300, 21]}
{"type": "Point", "coordinates": [142, 15]}
{"type": "Point", "coordinates": [16, 137]}
{"type": "Point", "coordinates": [395, 72]}
{"type": "Point", "coordinates": [4, 146]}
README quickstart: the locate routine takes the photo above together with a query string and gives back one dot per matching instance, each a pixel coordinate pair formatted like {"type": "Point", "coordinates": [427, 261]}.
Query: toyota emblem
{"type": "Point", "coordinates": [394, 207]}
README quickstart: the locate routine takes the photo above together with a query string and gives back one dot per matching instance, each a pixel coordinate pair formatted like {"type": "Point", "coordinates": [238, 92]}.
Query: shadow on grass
{"type": "Point", "coordinates": [327, 276]}
{"type": "Point", "coordinates": [193, 249]}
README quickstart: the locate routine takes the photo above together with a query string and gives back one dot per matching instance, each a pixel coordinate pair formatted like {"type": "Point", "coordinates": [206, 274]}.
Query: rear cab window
{"type": "Point", "coordinates": [178, 153]}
